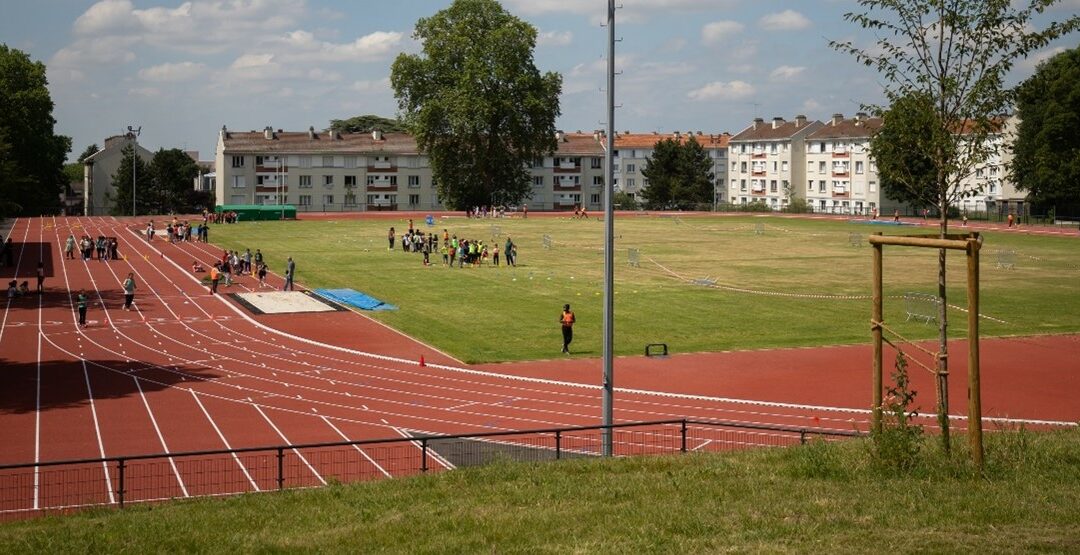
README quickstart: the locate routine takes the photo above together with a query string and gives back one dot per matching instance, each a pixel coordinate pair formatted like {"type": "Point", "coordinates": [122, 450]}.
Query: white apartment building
{"type": "Point", "coordinates": [98, 170]}
{"type": "Point", "coordinates": [995, 193]}
{"type": "Point", "coordinates": [633, 151]}
{"type": "Point", "coordinates": [333, 171]}
{"type": "Point", "coordinates": [841, 177]}
{"type": "Point", "coordinates": [768, 161]}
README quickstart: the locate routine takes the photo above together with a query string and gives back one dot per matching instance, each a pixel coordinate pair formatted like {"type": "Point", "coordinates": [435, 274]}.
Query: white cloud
{"type": "Point", "coordinates": [555, 38]}
{"type": "Point", "coordinates": [257, 61]}
{"type": "Point", "coordinates": [811, 105]}
{"type": "Point", "coordinates": [318, 74]}
{"type": "Point", "coordinates": [787, 20]}
{"type": "Point", "coordinates": [785, 73]}
{"type": "Point", "coordinates": [719, 90]}
{"type": "Point", "coordinates": [1032, 61]}
{"type": "Point", "coordinates": [717, 31]}
{"type": "Point", "coordinates": [371, 85]}
{"type": "Point", "coordinates": [94, 51]}
{"type": "Point", "coordinates": [536, 7]}
{"type": "Point", "coordinates": [302, 46]}
{"type": "Point", "coordinates": [183, 71]}
{"type": "Point", "coordinates": [107, 16]}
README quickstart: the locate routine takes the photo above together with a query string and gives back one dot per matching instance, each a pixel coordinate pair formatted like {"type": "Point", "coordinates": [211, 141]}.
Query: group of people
{"type": "Point", "coordinates": [177, 231]}
{"type": "Point", "coordinates": [105, 248]}
{"type": "Point", "coordinates": [229, 217]}
{"type": "Point", "coordinates": [462, 251]}
{"type": "Point", "coordinates": [233, 263]}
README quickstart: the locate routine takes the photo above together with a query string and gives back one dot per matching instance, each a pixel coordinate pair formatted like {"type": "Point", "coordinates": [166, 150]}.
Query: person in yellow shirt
{"type": "Point", "coordinates": [567, 321]}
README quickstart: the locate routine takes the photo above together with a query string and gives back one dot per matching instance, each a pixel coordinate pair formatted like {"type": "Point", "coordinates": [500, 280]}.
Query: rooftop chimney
{"type": "Point", "coordinates": [757, 122]}
{"type": "Point", "coordinates": [224, 132]}
{"type": "Point", "coordinates": [777, 122]}
{"type": "Point", "coordinates": [560, 136]}
{"type": "Point", "coordinates": [311, 132]}
{"type": "Point", "coordinates": [268, 133]}
{"type": "Point", "coordinates": [837, 118]}
{"type": "Point", "coordinates": [800, 120]}
{"type": "Point", "coordinates": [376, 135]}
{"type": "Point", "coordinates": [596, 135]}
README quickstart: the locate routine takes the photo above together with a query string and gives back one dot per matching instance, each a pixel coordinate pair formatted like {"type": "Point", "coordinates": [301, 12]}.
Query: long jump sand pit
{"type": "Point", "coordinates": [283, 302]}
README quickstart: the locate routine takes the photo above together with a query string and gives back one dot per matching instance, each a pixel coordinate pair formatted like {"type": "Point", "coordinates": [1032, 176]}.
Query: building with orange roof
{"type": "Point", "coordinates": [841, 177]}
{"type": "Point", "coordinates": [633, 150]}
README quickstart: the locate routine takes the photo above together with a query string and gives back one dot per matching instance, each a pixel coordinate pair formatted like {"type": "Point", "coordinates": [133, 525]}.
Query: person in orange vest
{"type": "Point", "coordinates": [215, 275]}
{"type": "Point", "coordinates": [1010, 220]}
{"type": "Point", "coordinates": [567, 321]}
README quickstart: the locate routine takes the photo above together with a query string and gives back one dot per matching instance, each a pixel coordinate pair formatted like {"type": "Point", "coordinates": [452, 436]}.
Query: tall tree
{"type": "Point", "coordinates": [145, 194]}
{"type": "Point", "coordinates": [680, 175]}
{"type": "Point", "coordinates": [27, 124]}
{"type": "Point", "coordinates": [1047, 149]}
{"type": "Point", "coordinates": [367, 123]}
{"type": "Point", "coordinates": [173, 175]}
{"type": "Point", "coordinates": [476, 102]}
{"type": "Point", "coordinates": [901, 151]}
{"type": "Point", "coordinates": [955, 54]}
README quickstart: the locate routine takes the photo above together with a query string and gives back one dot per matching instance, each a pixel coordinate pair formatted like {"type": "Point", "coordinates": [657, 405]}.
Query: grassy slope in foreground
{"type": "Point", "coordinates": [824, 498]}
{"type": "Point", "coordinates": [801, 283]}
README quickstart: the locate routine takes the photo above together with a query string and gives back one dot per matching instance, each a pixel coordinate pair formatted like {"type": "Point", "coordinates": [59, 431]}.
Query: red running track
{"type": "Point", "coordinates": [188, 371]}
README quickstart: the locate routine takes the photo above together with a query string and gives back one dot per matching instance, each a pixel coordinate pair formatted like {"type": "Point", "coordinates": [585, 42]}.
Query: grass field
{"type": "Point", "coordinates": [818, 498]}
{"type": "Point", "coordinates": [799, 283]}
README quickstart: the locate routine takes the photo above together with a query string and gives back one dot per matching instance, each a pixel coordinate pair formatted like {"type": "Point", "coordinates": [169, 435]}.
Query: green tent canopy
{"type": "Point", "coordinates": [255, 212]}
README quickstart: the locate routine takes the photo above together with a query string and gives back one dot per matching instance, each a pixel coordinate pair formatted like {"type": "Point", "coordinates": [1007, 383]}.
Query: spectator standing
{"type": "Point", "coordinates": [69, 247]}
{"type": "Point", "coordinates": [567, 322]}
{"type": "Point", "coordinates": [40, 277]}
{"type": "Point", "coordinates": [290, 274]}
{"type": "Point", "coordinates": [81, 303]}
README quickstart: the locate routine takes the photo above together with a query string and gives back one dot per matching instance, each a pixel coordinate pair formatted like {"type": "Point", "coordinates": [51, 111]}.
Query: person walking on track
{"type": "Point", "coordinates": [215, 276]}
{"type": "Point", "coordinates": [81, 303]}
{"type": "Point", "coordinates": [567, 321]}
{"type": "Point", "coordinates": [40, 277]}
{"type": "Point", "coordinates": [129, 290]}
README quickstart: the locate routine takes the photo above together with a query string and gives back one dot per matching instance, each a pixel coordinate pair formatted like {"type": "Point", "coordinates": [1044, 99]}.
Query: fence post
{"type": "Point", "coordinates": [802, 437]}
{"type": "Point", "coordinates": [423, 455]}
{"type": "Point", "coordinates": [558, 444]}
{"type": "Point", "coordinates": [683, 431]}
{"type": "Point", "coordinates": [280, 468]}
{"type": "Point", "coordinates": [120, 479]}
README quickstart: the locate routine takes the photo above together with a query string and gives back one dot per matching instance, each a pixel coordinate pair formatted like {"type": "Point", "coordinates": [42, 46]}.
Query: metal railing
{"type": "Point", "coordinates": [34, 488]}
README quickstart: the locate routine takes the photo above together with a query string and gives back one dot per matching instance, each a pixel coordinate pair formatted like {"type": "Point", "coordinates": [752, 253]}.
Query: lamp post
{"type": "Point", "coordinates": [134, 132]}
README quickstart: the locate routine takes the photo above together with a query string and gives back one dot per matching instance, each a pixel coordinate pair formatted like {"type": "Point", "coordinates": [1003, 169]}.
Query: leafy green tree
{"type": "Point", "coordinates": [476, 102]}
{"type": "Point", "coordinates": [901, 148]}
{"type": "Point", "coordinates": [955, 54]}
{"type": "Point", "coordinates": [27, 125]}
{"type": "Point", "coordinates": [88, 152]}
{"type": "Point", "coordinates": [367, 123]}
{"type": "Point", "coordinates": [146, 196]}
{"type": "Point", "coordinates": [1047, 149]}
{"type": "Point", "coordinates": [173, 173]}
{"type": "Point", "coordinates": [680, 176]}
{"type": "Point", "coordinates": [12, 178]}
{"type": "Point", "coordinates": [624, 201]}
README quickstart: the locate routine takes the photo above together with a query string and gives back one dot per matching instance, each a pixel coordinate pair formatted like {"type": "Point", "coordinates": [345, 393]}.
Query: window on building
{"type": "Point", "coordinates": [414, 181]}
{"type": "Point", "coordinates": [237, 161]}
{"type": "Point", "coordinates": [350, 181]}
{"type": "Point", "coordinates": [821, 186]}
{"type": "Point", "coordinates": [784, 166]}
{"type": "Point", "coordinates": [629, 168]}
{"type": "Point", "coordinates": [629, 182]}
{"type": "Point", "coordinates": [328, 161]}
{"type": "Point", "coordinates": [305, 200]}
{"type": "Point", "coordinates": [238, 181]}
{"type": "Point", "coordinates": [305, 181]}
{"type": "Point", "coordinates": [328, 200]}
{"type": "Point", "coordinates": [858, 166]}
{"type": "Point", "coordinates": [598, 180]}
{"type": "Point", "coordinates": [597, 163]}
{"type": "Point", "coordinates": [873, 186]}
{"type": "Point", "coordinates": [772, 148]}
{"type": "Point", "coordinates": [350, 162]}
{"type": "Point", "coordinates": [350, 199]}
{"type": "Point", "coordinates": [594, 198]}
{"type": "Point", "coordinates": [328, 180]}
{"type": "Point", "coordinates": [742, 167]}
{"type": "Point", "coordinates": [742, 185]}
{"type": "Point", "coordinates": [821, 146]}
{"type": "Point", "coordinates": [414, 200]}
{"type": "Point", "coordinates": [305, 161]}
{"type": "Point", "coordinates": [734, 165]}
{"type": "Point", "coordinates": [772, 186]}
{"type": "Point", "coordinates": [821, 167]}
{"type": "Point", "coordinates": [810, 186]}
{"type": "Point", "coordinates": [774, 165]}
{"type": "Point", "coordinates": [538, 181]}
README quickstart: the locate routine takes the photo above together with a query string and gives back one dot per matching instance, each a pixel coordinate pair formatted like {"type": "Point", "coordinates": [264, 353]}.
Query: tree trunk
{"type": "Point", "coordinates": [943, 326]}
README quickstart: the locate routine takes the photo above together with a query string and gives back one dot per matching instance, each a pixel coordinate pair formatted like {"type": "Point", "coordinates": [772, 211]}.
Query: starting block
{"type": "Point", "coordinates": [656, 350]}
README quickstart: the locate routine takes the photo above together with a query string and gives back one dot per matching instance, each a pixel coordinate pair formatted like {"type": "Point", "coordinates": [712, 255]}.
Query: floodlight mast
{"type": "Point", "coordinates": [134, 132]}
{"type": "Point", "coordinates": [609, 242]}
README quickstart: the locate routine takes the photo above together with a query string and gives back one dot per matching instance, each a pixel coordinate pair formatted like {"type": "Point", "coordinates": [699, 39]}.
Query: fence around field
{"type": "Point", "coordinates": [31, 489]}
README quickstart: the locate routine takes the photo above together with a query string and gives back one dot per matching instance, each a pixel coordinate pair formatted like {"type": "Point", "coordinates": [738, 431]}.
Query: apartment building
{"type": "Point", "coordinates": [98, 170]}
{"type": "Point", "coordinates": [767, 160]}
{"type": "Point", "coordinates": [633, 151]}
{"type": "Point", "coordinates": [573, 176]}
{"type": "Point", "coordinates": [995, 192]}
{"type": "Point", "coordinates": [841, 177]}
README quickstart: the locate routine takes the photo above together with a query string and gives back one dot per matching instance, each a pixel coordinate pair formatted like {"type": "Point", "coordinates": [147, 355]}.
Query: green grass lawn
{"type": "Point", "coordinates": [824, 498]}
{"type": "Point", "coordinates": [777, 289]}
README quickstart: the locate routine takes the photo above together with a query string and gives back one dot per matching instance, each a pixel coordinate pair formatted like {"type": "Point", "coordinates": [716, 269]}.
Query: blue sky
{"type": "Point", "coordinates": [182, 69]}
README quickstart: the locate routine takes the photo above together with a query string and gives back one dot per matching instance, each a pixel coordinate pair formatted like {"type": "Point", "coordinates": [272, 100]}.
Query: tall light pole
{"type": "Point", "coordinates": [609, 241]}
{"type": "Point", "coordinates": [134, 134]}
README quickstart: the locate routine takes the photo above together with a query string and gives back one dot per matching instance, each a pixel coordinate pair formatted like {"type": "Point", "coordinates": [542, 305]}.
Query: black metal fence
{"type": "Point", "coordinates": [34, 488]}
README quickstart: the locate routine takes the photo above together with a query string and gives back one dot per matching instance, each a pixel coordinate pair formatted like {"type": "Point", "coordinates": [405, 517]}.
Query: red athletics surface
{"type": "Point", "coordinates": [188, 371]}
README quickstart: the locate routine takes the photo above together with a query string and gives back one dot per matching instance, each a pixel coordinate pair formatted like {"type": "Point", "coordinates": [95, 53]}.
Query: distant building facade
{"type": "Point", "coordinates": [841, 177]}
{"type": "Point", "coordinates": [633, 151]}
{"type": "Point", "coordinates": [768, 161]}
{"type": "Point", "coordinates": [98, 170]}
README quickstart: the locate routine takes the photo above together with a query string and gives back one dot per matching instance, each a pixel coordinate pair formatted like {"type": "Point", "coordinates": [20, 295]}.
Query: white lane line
{"type": "Point", "coordinates": [357, 447]}
{"type": "Point", "coordinates": [37, 386]}
{"type": "Point", "coordinates": [8, 307]}
{"type": "Point", "coordinates": [225, 441]}
{"type": "Point", "coordinates": [430, 452]}
{"type": "Point", "coordinates": [286, 440]}
{"type": "Point", "coordinates": [161, 438]}
{"type": "Point", "coordinates": [97, 431]}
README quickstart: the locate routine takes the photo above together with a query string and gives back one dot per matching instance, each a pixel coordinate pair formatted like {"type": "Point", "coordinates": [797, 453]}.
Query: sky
{"type": "Point", "coordinates": [182, 69]}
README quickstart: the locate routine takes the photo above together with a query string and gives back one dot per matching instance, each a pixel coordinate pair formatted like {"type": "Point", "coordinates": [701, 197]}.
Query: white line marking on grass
{"type": "Point", "coordinates": [224, 441]}
{"type": "Point", "coordinates": [357, 447]}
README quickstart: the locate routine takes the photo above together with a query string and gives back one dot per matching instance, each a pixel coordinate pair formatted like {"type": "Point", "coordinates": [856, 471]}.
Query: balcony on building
{"type": "Point", "coordinates": [377, 165]}
{"type": "Point", "coordinates": [568, 165]}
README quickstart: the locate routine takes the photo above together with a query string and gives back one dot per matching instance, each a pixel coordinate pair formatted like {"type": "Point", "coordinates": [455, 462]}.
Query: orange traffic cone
{"type": "Point", "coordinates": [422, 363]}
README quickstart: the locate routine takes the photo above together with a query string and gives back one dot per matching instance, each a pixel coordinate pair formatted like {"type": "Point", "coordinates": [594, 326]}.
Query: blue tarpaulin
{"type": "Point", "coordinates": [355, 298]}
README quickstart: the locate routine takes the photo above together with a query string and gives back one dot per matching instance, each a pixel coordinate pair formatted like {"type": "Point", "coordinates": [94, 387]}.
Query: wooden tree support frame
{"type": "Point", "coordinates": [970, 244]}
